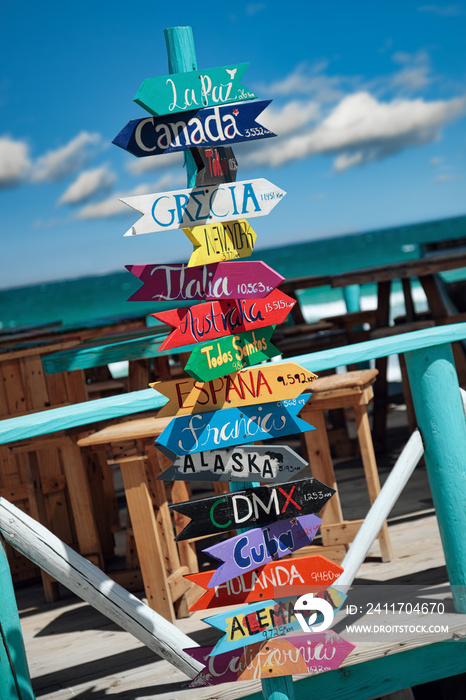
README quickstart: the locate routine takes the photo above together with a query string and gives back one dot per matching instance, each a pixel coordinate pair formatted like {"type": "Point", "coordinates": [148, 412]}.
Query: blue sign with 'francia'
{"type": "Point", "coordinates": [210, 126]}
{"type": "Point", "coordinates": [232, 426]}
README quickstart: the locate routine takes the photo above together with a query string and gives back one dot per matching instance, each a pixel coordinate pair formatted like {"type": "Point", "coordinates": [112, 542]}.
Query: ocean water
{"type": "Point", "coordinates": [77, 301]}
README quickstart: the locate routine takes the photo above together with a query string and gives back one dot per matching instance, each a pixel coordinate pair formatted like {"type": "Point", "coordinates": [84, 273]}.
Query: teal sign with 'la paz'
{"type": "Point", "coordinates": [232, 426]}
{"type": "Point", "coordinates": [179, 92]}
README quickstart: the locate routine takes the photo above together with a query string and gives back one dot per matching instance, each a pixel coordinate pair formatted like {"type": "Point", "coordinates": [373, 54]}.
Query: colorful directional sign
{"type": "Point", "coordinates": [210, 126]}
{"type": "Point", "coordinates": [254, 548]}
{"type": "Point", "coordinates": [180, 92]}
{"type": "Point", "coordinates": [275, 579]}
{"type": "Point", "coordinates": [218, 242]}
{"type": "Point", "coordinates": [197, 206]}
{"type": "Point", "coordinates": [216, 281]}
{"type": "Point", "coordinates": [216, 319]}
{"type": "Point", "coordinates": [277, 463]}
{"type": "Point", "coordinates": [277, 381]}
{"type": "Point", "coordinates": [233, 352]}
{"type": "Point", "coordinates": [253, 622]}
{"type": "Point", "coordinates": [290, 655]}
{"type": "Point", "coordinates": [232, 426]}
{"type": "Point", "coordinates": [252, 507]}
{"type": "Point", "coordinates": [215, 165]}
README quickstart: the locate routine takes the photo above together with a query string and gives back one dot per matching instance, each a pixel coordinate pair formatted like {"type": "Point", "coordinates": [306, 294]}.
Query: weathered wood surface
{"type": "Point", "coordinates": [91, 584]}
{"type": "Point", "coordinates": [400, 270]}
{"type": "Point", "coordinates": [275, 657]}
{"type": "Point", "coordinates": [72, 649]}
{"type": "Point", "coordinates": [230, 353]}
{"type": "Point", "coordinates": [181, 92]}
{"type": "Point", "coordinates": [276, 463]}
{"type": "Point", "coordinates": [216, 319]}
{"type": "Point", "coordinates": [209, 126]}
{"type": "Point", "coordinates": [197, 206]}
{"type": "Point", "coordinates": [254, 548]}
{"type": "Point", "coordinates": [222, 241]}
{"type": "Point", "coordinates": [137, 346]}
{"type": "Point", "coordinates": [252, 507]}
{"type": "Point", "coordinates": [279, 382]}
{"type": "Point", "coordinates": [276, 579]}
{"type": "Point", "coordinates": [178, 282]}
{"type": "Point", "coordinates": [232, 426]}
{"type": "Point", "coordinates": [215, 165]}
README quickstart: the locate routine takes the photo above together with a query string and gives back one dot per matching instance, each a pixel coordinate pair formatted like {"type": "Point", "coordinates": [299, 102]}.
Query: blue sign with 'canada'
{"type": "Point", "coordinates": [210, 126]}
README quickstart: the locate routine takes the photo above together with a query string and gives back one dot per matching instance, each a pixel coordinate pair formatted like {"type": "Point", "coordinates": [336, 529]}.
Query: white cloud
{"type": "Point", "coordinates": [442, 10]}
{"type": "Point", "coordinates": [58, 164]}
{"type": "Point", "coordinates": [254, 8]}
{"type": "Point", "coordinates": [291, 117]}
{"type": "Point", "coordinates": [360, 129]}
{"type": "Point", "coordinates": [438, 160]}
{"type": "Point", "coordinates": [87, 185]}
{"type": "Point", "coordinates": [415, 73]}
{"type": "Point", "coordinates": [113, 207]}
{"type": "Point", "coordinates": [15, 163]}
{"type": "Point", "coordinates": [149, 164]}
{"type": "Point", "coordinates": [445, 177]}
{"type": "Point", "coordinates": [308, 80]}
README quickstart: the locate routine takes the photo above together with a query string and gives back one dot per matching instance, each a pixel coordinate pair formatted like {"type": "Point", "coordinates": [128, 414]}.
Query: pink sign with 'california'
{"type": "Point", "coordinates": [281, 656]}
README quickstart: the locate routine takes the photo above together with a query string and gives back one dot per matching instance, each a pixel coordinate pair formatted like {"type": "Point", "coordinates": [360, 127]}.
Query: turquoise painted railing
{"type": "Point", "coordinates": [441, 421]}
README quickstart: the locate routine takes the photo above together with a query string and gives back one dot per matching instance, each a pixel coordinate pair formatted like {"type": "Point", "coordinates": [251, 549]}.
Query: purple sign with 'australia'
{"type": "Point", "coordinates": [253, 548]}
{"type": "Point", "coordinates": [223, 280]}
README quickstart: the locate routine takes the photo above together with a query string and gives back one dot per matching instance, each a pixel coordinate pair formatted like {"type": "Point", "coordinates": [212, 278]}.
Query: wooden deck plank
{"type": "Point", "coordinates": [74, 651]}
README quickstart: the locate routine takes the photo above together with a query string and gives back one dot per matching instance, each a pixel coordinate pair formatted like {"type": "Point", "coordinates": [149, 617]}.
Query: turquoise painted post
{"type": "Point", "coordinates": [181, 59]}
{"type": "Point", "coordinates": [15, 682]}
{"type": "Point", "coordinates": [442, 423]}
{"type": "Point", "coordinates": [352, 297]}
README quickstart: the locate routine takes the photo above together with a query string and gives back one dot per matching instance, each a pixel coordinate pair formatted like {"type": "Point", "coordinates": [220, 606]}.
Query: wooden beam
{"type": "Point", "coordinates": [387, 674]}
{"type": "Point", "coordinates": [89, 583]}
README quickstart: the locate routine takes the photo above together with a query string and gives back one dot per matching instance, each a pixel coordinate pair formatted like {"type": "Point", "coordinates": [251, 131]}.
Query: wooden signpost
{"type": "Point", "coordinates": [177, 281]}
{"type": "Point", "coordinates": [211, 126]}
{"type": "Point", "coordinates": [197, 206]}
{"type": "Point", "coordinates": [295, 654]}
{"type": "Point", "coordinates": [247, 387]}
{"type": "Point", "coordinates": [251, 508]}
{"type": "Point", "coordinates": [256, 621]}
{"type": "Point", "coordinates": [216, 319]}
{"type": "Point", "coordinates": [218, 242]}
{"type": "Point", "coordinates": [215, 165]}
{"type": "Point", "coordinates": [283, 578]}
{"type": "Point", "coordinates": [180, 92]}
{"type": "Point", "coordinates": [277, 463]}
{"type": "Point", "coordinates": [254, 548]}
{"type": "Point", "coordinates": [232, 426]}
{"type": "Point", "coordinates": [236, 325]}
{"type": "Point", "coordinates": [230, 353]}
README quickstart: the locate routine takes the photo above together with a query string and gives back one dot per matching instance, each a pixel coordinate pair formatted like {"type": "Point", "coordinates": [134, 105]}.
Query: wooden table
{"type": "Point", "coordinates": [48, 478]}
{"type": "Point", "coordinates": [424, 269]}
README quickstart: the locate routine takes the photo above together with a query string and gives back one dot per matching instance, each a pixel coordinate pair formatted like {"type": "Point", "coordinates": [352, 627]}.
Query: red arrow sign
{"type": "Point", "coordinates": [285, 578]}
{"type": "Point", "coordinates": [217, 319]}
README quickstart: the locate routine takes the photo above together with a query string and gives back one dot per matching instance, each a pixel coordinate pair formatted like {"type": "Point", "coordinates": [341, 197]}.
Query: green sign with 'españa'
{"type": "Point", "coordinates": [179, 92]}
{"type": "Point", "coordinates": [230, 354]}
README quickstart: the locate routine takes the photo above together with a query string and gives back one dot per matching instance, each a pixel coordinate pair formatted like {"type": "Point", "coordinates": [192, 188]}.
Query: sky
{"type": "Point", "coordinates": [369, 107]}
